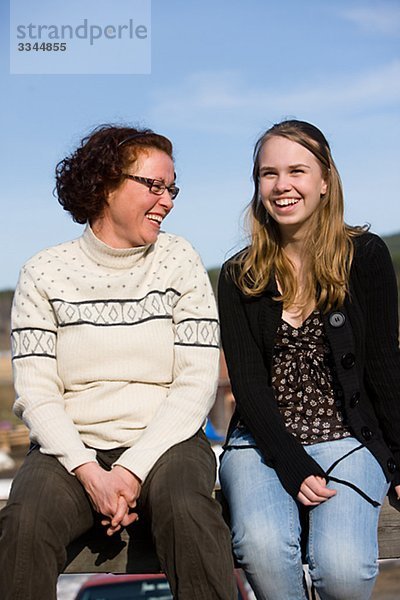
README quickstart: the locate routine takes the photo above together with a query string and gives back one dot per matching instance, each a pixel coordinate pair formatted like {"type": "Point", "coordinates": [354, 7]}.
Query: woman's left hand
{"type": "Point", "coordinates": [314, 490]}
{"type": "Point", "coordinates": [128, 488]}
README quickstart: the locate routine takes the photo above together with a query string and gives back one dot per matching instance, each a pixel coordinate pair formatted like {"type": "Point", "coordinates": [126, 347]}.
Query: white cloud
{"type": "Point", "coordinates": [384, 18]}
{"type": "Point", "coordinates": [213, 101]}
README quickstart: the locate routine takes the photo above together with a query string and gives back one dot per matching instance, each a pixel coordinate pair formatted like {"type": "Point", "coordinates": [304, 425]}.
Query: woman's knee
{"type": "Point", "coordinates": [344, 574]}
{"type": "Point", "coordinates": [183, 477]}
{"type": "Point", "coordinates": [21, 530]}
{"type": "Point", "coordinates": [35, 535]}
{"type": "Point", "coordinates": [271, 559]}
{"type": "Point", "coordinates": [256, 539]}
{"type": "Point", "coordinates": [19, 518]}
{"type": "Point", "coordinates": [46, 505]}
{"type": "Point", "coordinates": [180, 504]}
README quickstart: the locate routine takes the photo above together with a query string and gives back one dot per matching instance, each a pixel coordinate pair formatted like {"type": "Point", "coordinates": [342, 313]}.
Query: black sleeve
{"type": "Point", "coordinates": [382, 365]}
{"type": "Point", "coordinates": [254, 395]}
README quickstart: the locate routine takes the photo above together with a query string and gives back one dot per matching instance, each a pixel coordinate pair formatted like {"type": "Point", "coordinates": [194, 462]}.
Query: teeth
{"type": "Point", "coordinates": [156, 218]}
{"type": "Point", "coordinates": [286, 201]}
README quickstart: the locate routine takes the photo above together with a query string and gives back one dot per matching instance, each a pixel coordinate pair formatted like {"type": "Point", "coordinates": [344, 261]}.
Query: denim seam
{"type": "Point", "coordinates": [310, 557]}
{"type": "Point", "coordinates": [295, 547]}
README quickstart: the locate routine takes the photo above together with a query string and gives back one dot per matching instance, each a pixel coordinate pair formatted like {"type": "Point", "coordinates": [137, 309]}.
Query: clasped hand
{"type": "Point", "coordinates": [113, 494]}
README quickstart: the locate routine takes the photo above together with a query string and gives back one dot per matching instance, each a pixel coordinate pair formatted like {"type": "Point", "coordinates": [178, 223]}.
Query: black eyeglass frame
{"type": "Point", "coordinates": [173, 189]}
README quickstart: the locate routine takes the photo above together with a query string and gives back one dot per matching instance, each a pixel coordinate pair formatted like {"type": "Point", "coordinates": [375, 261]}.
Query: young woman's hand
{"type": "Point", "coordinates": [313, 491]}
{"type": "Point", "coordinates": [397, 490]}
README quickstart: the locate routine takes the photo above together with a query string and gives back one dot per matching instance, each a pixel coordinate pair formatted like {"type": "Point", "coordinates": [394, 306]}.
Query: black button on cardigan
{"type": "Point", "coordinates": [337, 319]}
{"type": "Point", "coordinates": [348, 360]}
{"type": "Point", "coordinates": [367, 434]}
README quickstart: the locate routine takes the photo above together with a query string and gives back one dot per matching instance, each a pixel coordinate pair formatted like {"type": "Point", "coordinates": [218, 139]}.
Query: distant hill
{"type": "Point", "coordinates": [5, 310]}
{"type": "Point", "coordinates": [393, 242]}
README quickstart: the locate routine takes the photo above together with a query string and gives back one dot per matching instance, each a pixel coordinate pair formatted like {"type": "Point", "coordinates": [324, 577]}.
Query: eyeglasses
{"type": "Point", "coordinates": [156, 186]}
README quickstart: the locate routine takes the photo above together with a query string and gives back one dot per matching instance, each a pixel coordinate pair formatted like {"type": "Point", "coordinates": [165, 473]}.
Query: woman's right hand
{"type": "Point", "coordinates": [95, 481]}
{"type": "Point", "coordinates": [314, 490]}
{"type": "Point", "coordinates": [105, 495]}
{"type": "Point", "coordinates": [128, 487]}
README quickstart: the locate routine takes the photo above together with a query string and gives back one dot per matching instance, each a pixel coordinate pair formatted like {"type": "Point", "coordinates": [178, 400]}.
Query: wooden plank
{"type": "Point", "coordinates": [389, 528]}
{"type": "Point", "coordinates": [133, 552]}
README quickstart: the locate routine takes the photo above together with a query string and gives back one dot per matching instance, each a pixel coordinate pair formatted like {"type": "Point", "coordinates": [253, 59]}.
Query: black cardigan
{"type": "Point", "coordinates": [363, 335]}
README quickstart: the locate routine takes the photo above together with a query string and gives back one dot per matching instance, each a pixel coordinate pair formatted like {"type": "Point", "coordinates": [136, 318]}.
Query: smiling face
{"type": "Point", "coordinates": [290, 184]}
{"type": "Point", "coordinates": [133, 215]}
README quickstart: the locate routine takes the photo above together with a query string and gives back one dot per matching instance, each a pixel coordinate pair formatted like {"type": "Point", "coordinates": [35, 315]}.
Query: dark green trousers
{"type": "Point", "coordinates": [48, 508]}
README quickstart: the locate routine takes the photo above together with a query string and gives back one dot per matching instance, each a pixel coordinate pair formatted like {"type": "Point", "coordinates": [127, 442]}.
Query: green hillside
{"type": "Point", "coordinates": [5, 309]}
{"type": "Point", "coordinates": [393, 242]}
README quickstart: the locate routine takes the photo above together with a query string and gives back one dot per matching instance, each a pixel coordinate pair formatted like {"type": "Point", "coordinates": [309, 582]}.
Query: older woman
{"type": "Point", "coordinates": [115, 353]}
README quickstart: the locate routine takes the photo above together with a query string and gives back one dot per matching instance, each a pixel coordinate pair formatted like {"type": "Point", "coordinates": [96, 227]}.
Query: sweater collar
{"type": "Point", "coordinates": [114, 258]}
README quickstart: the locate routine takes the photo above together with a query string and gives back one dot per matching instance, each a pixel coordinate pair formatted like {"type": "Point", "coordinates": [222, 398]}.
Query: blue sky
{"type": "Point", "coordinates": [222, 72]}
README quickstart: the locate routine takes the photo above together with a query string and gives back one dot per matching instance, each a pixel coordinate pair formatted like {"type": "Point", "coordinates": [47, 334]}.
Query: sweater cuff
{"type": "Point", "coordinates": [77, 458]}
{"type": "Point", "coordinates": [138, 465]}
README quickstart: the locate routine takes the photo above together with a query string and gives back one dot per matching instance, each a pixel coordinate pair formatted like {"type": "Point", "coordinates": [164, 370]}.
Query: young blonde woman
{"type": "Point", "coordinates": [309, 321]}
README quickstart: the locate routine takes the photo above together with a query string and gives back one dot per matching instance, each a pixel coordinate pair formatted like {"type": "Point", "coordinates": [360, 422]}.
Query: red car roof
{"type": "Point", "coordinates": [98, 580]}
{"type": "Point", "coordinates": [109, 578]}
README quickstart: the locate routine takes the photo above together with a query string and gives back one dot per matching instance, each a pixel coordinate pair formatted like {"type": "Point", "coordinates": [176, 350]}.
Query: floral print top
{"type": "Point", "coordinates": [303, 377]}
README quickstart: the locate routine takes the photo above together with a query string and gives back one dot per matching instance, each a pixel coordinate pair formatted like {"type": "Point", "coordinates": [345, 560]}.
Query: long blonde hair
{"type": "Point", "coordinates": [329, 244]}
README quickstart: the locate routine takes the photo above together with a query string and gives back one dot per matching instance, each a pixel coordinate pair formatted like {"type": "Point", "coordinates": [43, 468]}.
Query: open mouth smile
{"type": "Point", "coordinates": [286, 201]}
{"type": "Point", "coordinates": [155, 218]}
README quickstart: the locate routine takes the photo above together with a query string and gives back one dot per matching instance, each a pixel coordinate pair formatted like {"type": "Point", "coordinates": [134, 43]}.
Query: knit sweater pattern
{"type": "Point", "coordinates": [114, 348]}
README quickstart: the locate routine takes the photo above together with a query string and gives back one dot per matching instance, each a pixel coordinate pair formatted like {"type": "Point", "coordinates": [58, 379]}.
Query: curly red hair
{"type": "Point", "coordinates": [86, 177]}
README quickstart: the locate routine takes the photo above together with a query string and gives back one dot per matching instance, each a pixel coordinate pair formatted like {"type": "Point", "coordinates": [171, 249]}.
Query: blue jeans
{"type": "Point", "coordinates": [342, 547]}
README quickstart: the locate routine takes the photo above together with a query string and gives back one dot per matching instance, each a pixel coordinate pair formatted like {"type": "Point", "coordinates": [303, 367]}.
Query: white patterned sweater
{"type": "Point", "coordinates": [114, 348]}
